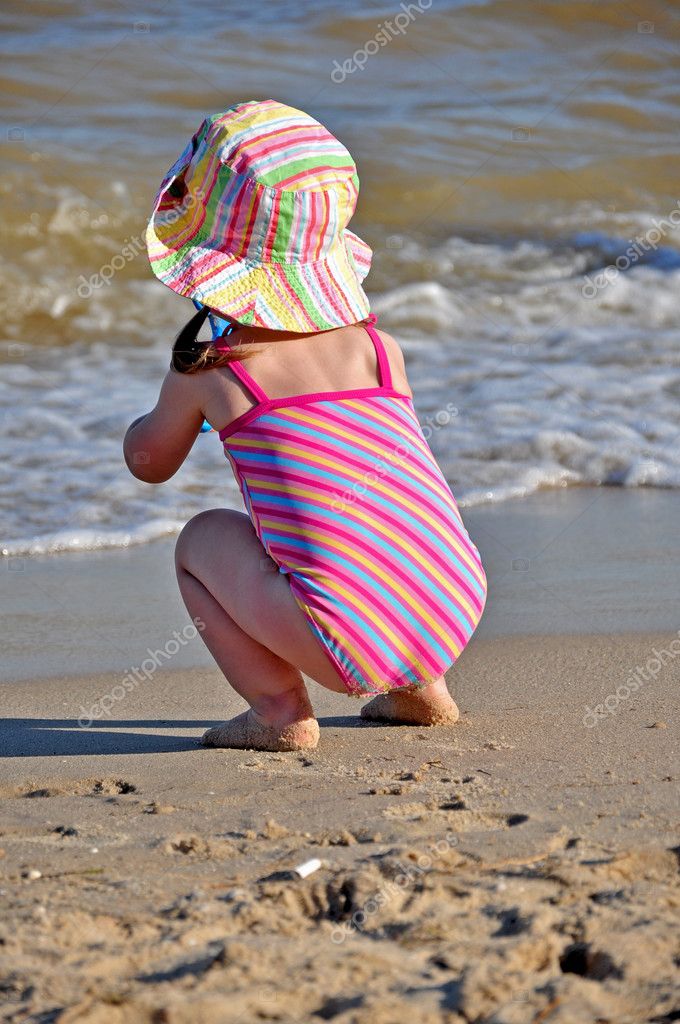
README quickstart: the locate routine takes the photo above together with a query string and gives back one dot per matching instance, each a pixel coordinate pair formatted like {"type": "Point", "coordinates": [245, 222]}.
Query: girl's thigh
{"type": "Point", "coordinates": [221, 549]}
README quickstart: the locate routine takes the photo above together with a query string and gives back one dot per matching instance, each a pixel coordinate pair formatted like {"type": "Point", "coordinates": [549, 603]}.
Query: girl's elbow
{"type": "Point", "coordinates": [142, 468]}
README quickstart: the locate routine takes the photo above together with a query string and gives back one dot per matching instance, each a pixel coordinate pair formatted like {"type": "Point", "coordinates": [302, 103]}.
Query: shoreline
{"type": "Point", "coordinates": [564, 562]}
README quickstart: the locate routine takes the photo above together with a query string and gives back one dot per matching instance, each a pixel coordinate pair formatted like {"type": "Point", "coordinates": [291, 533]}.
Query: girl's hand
{"type": "Point", "coordinates": [157, 444]}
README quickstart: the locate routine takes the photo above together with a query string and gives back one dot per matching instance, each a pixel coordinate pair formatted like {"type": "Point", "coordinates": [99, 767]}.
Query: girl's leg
{"type": "Point", "coordinates": [254, 629]}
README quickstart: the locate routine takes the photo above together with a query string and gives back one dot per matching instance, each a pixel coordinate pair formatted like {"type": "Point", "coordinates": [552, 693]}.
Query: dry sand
{"type": "Point", "coordinates": [518, 868]}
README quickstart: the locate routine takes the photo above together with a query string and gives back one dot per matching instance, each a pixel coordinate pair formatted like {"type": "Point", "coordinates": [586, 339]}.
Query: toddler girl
{"type": "Point", "coordinates": [352, 565]}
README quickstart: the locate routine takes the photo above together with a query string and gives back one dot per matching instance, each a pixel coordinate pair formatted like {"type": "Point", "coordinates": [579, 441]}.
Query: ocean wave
{"type": "Point", "coordinates": [550, 388]}
{"type": "Point", "coordinates": [63, 541]}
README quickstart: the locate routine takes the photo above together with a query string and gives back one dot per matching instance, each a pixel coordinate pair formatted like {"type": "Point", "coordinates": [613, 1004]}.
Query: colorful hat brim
{"type": "Point", "coordinates": [278, 296]}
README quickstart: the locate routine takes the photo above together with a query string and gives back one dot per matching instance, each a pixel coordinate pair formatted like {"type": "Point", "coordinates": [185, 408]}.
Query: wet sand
{"type": "Point", "coordinates": [578, 560]}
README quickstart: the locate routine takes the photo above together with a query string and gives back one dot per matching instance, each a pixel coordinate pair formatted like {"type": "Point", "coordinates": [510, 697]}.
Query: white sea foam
{"type": "Point", "coordinates": [550, 389]}
{"type": "Point", "coordinates": [92, 540]}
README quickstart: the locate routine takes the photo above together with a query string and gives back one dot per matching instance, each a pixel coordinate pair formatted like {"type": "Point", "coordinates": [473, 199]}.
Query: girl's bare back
{"type": "Point", "coordinates": [285, 365]}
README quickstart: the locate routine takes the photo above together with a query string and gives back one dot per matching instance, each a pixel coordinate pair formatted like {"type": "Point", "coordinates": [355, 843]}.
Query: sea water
{"type": "Point", "coordinates": [518, 169]}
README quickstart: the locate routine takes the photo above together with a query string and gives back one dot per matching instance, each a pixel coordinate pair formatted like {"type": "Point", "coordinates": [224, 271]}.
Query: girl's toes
{"type": "Point", "coordinates": [210, 737]}
{"type": "Point", "coordinates": [245, 732]}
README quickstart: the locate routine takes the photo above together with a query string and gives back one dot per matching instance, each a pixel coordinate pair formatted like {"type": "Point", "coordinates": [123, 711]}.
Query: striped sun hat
{"type": "Point", "coordinates": [251, 220]}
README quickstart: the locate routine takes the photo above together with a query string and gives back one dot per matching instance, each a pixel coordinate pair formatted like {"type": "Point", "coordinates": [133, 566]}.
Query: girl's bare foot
{"type": "Point", "coordinates": [429, 705]}
{"type": "Point", "coordinates": [249, 732]}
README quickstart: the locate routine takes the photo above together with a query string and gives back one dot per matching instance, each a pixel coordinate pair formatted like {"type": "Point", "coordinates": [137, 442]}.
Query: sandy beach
{"type": "Point", "coordinates": [520, 867]}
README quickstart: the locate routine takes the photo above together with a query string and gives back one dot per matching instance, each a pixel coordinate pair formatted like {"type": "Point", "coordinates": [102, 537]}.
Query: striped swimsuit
{"type": "Point", "coordinates": [346, 497]}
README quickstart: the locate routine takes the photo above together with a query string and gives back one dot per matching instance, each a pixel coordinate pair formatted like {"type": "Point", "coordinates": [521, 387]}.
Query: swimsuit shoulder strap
{"type": "Point", "coordinates": [221, 344]}
{"type": "Point", "coordinates": [384, 372]}
{"type": "Point", "coordinates": [383, 361]}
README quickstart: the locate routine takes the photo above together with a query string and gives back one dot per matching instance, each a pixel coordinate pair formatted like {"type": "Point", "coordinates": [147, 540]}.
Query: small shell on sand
{"type": "Point", "coordinates": [308, 868]}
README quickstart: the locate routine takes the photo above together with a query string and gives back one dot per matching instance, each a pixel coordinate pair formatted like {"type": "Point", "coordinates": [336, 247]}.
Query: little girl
{"type": "Point", "coordinates": [352, 565]}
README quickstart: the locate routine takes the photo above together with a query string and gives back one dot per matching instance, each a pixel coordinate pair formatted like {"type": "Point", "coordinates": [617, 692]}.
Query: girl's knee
{"type": "Point", "coordinates": [204, 530]}
{"type": "Point", "coordinates": [193, 533]}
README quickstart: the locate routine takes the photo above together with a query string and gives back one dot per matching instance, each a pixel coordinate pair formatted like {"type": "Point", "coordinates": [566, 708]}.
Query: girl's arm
{"type": "Point", "coordinates": [157, 444]}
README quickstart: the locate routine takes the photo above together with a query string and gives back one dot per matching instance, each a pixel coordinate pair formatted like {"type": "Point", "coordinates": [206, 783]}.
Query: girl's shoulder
{"type": "Point", "coordinates": [396, 361]}
{"type": "Point", "coordinates": [390, 342]}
